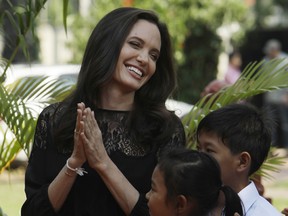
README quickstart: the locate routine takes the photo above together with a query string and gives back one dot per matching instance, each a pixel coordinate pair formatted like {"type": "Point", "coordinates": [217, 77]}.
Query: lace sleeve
{"type": "Point", "coordinates": [36, 180]}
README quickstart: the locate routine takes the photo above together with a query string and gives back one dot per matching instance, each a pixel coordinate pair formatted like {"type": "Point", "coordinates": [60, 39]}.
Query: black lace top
{"type": "Point", "coordinates": [89, 195]}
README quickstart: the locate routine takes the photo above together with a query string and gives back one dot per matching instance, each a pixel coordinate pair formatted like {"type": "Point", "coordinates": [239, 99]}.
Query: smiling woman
{"type": "Point", "coordinates": [112, 128]}
{"type": "Point", "coordinates": [138, 57]}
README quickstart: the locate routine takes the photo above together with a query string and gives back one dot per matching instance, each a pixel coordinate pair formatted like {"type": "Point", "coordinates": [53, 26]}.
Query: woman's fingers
{"type": "Point", "coordinates": [80, 109]}
{"type": "Point", "coordinates": [78, 151]}
{"type": "Point", "coordinates": [92, 141]}
{"type": "Point", "coordinates": [91, 128]}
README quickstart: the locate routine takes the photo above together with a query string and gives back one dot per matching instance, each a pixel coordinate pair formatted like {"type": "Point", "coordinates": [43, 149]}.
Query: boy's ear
{"type": "Point", "coordinates": [183, 205]}
{"type": "Point", "coordinates": [244, 161]}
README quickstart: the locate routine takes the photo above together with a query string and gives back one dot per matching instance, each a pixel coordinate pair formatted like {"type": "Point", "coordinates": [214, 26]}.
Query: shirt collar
{"type": "Point", "coordinates": [248, 195]}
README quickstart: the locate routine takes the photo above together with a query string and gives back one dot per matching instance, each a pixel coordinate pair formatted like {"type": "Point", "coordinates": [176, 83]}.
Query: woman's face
{"type": "Point", "coordinates": [158, 203]}
{"type": "Point", "coordinates": [138, 57]}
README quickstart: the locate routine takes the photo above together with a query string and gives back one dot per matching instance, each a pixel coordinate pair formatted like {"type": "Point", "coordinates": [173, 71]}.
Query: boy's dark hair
{"type": "Point", "coordinates": [242, 128]}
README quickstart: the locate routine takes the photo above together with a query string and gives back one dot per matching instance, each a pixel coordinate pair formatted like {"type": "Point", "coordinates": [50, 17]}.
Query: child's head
{"type": "Point", "coordinates": [237, 136]}
{"type": "Point", "coordinates": [187, 182]}
{"type": "Point", "coordinates": [235, 59]}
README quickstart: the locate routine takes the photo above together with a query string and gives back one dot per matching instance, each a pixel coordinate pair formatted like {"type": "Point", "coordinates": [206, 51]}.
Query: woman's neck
{"type": "Point", "coordinates": [115, 100]}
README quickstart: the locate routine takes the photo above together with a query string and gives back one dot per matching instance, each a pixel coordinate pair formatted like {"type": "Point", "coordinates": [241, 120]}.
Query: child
{"type": "Point", "coordinates": [188, 183]}
{"type": "Point", "coordinates": [239, 138]}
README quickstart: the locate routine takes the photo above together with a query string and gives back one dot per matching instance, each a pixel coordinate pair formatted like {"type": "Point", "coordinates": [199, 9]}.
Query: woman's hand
{"type": "Point", "coordinates": [78, 156]}
{"type": "Point", "coordinates": [60, 187]}
{"type": "Point", "coordinates": [121, 189]}
{"type": "Point", "coordinates": [213, 87]}
{"type": "Point", "coordinates": [95, 151]}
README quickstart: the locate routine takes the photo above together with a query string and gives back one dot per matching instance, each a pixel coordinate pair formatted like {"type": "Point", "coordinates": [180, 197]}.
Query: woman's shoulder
{"type": "Point", "coordinates": [53, 109]}
{"type": "Point", "coordinates": [52, 113]}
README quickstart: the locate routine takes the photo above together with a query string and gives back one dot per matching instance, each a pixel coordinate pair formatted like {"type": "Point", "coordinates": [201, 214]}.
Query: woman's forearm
{"type": "Point", "coordinates": [59, 189]}
{"type": "Point", "coordinates": [121, 189]}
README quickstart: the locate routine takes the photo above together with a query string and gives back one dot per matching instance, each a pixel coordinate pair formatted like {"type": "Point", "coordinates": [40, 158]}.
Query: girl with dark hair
{"type": "Point", "coordinates": [94, 153]}
{"type": "Point", "coordinates": [188, 183]}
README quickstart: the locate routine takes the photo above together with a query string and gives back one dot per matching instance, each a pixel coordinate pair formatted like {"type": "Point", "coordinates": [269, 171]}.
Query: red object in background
{"type": "Point", "coordinates": [258, 182]}
{"type": "Point", "coordinates": [127, 3]}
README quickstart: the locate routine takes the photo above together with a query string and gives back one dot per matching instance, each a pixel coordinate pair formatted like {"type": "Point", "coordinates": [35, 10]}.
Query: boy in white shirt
{"type": "Point", "coordinates": [238, 136]}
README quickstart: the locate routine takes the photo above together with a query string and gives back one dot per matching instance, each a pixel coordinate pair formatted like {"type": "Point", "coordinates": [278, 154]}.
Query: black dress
{"type": "Point", "coordinates": [89, 195]}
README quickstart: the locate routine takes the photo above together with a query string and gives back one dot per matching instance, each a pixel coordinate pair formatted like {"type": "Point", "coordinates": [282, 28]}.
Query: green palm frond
{"type": "Point", "coordinates": [18, 102]}
{"type": "Point", "coordinates": [17, 123]}
{"type": "Point", "coordinates": [40, 89]}
{"type": "Point", "coordinates": [9, 147]}
{"type": "Point", "coordinates": [271, 165]}
{"type": "Point", "coordinates": [21, 102]}
{"type": "Point", "coordinates": [257, 77]}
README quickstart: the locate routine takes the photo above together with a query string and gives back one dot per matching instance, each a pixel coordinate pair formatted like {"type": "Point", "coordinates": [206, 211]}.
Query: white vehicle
{"type": "Point", "coordinates": [63, 72]}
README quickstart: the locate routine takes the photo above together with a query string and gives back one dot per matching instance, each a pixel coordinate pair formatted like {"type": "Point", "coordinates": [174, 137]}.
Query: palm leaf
{"type": "Point", "coordinates": [8, 148]}
{"type": "Point", "coordinates": [21, 102]}
{"type": "Point", "coordinates": [271, 165]}
{"type": "Point", "coordinates": [257, 77]}
{"type": "Point", "coordinates": [19, 124]}
{"type": "Point", "coordinates": [17, 102]}
{"type": "Point", "coordinates": [40, 89]}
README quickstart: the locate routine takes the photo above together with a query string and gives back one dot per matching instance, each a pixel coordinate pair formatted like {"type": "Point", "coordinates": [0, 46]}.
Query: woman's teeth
{"type": "Point", "coordinates": [135, 70]}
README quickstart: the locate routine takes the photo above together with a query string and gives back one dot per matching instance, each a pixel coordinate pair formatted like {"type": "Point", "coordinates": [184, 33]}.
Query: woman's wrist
{"type": "Point", "coordinates": [74, 162]}
{"type": "Point", "coordinates": [104, 166]}
{"type": "Point", "coordinates": [78, 170]}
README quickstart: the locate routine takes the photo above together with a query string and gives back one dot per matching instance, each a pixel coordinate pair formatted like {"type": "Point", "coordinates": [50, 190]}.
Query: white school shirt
{"type": "Point", "coordinates": [254, 204]}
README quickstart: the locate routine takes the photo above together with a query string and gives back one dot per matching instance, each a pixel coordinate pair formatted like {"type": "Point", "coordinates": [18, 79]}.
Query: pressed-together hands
{"type": "Point", "coordinates": [88, 143]}
{"type": "Point", "coordinates": [78, 155]}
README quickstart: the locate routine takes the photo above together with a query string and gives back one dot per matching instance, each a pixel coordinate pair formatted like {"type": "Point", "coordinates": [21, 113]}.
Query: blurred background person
{"type": "Point", "coordinates": [234, 67]}
{"type": "Point", "coordinates": [231, 75]}
{"type": "Point", "coordinates": [277, 99]}
{"type": "Point", "coordinates": [273, 50]}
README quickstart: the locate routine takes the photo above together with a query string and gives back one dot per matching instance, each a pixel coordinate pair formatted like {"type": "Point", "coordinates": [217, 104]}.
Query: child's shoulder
{"type": "Point", "coordinates": [254, 204]}
{"type": "Point", "coordinates": [263, 207]}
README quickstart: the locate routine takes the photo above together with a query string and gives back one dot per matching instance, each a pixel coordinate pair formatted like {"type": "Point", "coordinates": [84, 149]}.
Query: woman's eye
{"type": "Point", "coordinates": [134, 44]}
{"type": "Point", "coordinates": [209, 150]}
{"type": "Point", "coordinates": [154, 57]}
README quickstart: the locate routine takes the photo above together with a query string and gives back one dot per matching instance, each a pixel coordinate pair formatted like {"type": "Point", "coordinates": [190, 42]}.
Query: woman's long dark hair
{"type": "Point", "coordinates": [149, 118]}
{"type": "Point", "coordinates": [197, 176]}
